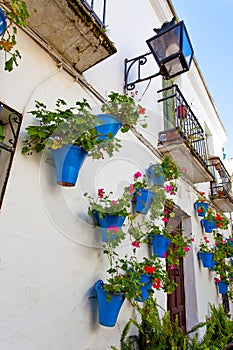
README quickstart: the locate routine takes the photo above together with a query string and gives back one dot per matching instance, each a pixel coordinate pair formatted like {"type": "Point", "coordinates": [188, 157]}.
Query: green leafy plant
{"type": "Point", "coordinates": [210, 214]}
{"type": "Point", "coordinates": [155, 332]}
{"type": "Point", "coordinates": [139, 182]}
{"type": "Point", "coordinates": [125, 109]}
{"type": "Point", "coordinates": [125, 274]}
{"type": "Point", "coordinates": [105, 204]}
{"type": "Point", "coordinates": [74, 125]}
{"type": "Point", "coordinates": [17, 14]}
{"type": "Point", "coordinates": [221, 221]}
{"type": "Point", "coordinates": [171, 169]}
{"type": "Point", "coordinates": [219, 329]}
{"type": "Point", "coordinates": [205, 246]}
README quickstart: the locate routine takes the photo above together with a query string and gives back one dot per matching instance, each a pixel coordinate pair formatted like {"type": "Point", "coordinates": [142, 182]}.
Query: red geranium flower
{"type": "Point", "coordinates": [136, 244]}
{"type": "Point", "coordinates": [142, 110]}
{"type": "Point", "coordinates": [157, 283]}
{"type": "Point", "coordinates": [101, 192]}
{"type": "Point", "coordinates": [149, 269]}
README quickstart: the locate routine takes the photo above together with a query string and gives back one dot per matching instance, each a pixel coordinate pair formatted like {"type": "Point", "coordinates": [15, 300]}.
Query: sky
{"type": "Point", "coordinates": [210, 27]}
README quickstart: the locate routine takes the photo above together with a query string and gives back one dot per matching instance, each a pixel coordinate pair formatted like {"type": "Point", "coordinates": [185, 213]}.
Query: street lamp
{"type": "Point", "coordinates": [172, 50]}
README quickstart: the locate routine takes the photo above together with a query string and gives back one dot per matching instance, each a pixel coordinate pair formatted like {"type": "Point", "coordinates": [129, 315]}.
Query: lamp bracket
{"type": "Point", "coordinates": [139, 61]}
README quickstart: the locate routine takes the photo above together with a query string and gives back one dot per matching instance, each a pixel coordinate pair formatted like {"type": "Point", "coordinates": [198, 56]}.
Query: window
{"type": "Point", "coordinates": [10, 122]}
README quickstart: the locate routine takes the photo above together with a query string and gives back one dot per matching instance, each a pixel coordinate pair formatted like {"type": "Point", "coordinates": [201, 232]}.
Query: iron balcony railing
{"type": "Point", "coordinates": [223, 186]}
{"type": "Point", "coordinates": [178, 115]}
{"type": "Point", "coordinates": [92, 8]}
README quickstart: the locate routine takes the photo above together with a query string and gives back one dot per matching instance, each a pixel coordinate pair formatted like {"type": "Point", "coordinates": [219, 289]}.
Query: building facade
{"type": "Point", "coordinates": [50, 252]}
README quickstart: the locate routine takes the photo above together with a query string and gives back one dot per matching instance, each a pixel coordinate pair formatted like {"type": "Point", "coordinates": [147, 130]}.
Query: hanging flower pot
{"type": "Point", "coordinates": [143, 199]}
{"type": "Point", "coordinates": [208, 225]}
{"type": "Point", "coordinates": [201, 208]}
{"type": "Point", "coordinates": [68, 162]}
{"type": "Point", "coordinates": [110, 224]}
{"type": "Point", "coordinates": [3, 22]}
{"type": "Point", "coordinates": [146, 285]}
{"type": "Point", "coordinates": [156, 174]}
{"type": "Point", "coordinates": [160, 245]}
{"type": "Point", "coordinates": [108, 127]}
{"type": "Point", "coordinates": [207, 259]}
{"type": "Point", "coordinates": [181, 112]}
{"type": "Point", "coordinates": [222, 287]}
{"type": "Point", "coordinates": [108, 309]}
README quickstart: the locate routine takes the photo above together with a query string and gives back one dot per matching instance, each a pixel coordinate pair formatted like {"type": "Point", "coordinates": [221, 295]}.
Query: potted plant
{"type": "Point", "coordinates": [143, 193]}
{"type": "Point", "coordinates": [136, 278]}
{"type": "Point", "coordinates": [182, 111]}
{"type": "Point", "coordinates": [120, 112]}
{"type": "Point", "coordinates": [13, 13]}
{"type": "Point", "coordinates": [221, 221]}
{"type": "Point", "coordinates": [109, 213]}
{"type": "Point", "coordinates": [208, 221]}
{"type": "Point", "coordinates": [70, 135]}
{"type": "Point", "coordinates": [167, 170]}
{"type": "Point", "coordinates": [206, 253]}
{"type": "Point", "coordinates": [109, 304]}
{"type": "Point", "coordinates": [202, 204]}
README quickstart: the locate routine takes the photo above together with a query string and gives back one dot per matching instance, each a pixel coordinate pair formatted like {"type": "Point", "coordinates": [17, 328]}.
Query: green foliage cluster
{"type": "Point", "coordinates": [163, 334]}
{"type": "Point", "coordinates": [74, 125]}
{"type": "Point", "coordinates": [17, 15]}
{"type": "Point", "coordinates": [125, 109]}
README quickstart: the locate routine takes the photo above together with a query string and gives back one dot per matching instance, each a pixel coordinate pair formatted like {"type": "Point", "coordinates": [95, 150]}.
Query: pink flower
{"type": "Point", "coordinates": [165, 219]}
{"type": "Point", "coordinates": [114, 202]}
{"type": "Point", "coordinates": [184, 169]}
{"type": "Point", "coordinates": [136, 244]}
{"type": "Point", "coordinates": [164, 255]}
{"type": "Point", "coordinates": [231, 239]}
{"type": "Point", "coordinates": [113, 228]}
{"type": "Point", "coordinates": [168, 188]}
{"type": "Point", "coordinates": [131, 188]}
{"type": "Point", "coordinates": [137, 175]}
{"type": "Point", "coordinates": [186, 249]}
{"type": "Point", "coordinates": [192, 239]}
{"type": "Point", "coordinates": [172, 267]}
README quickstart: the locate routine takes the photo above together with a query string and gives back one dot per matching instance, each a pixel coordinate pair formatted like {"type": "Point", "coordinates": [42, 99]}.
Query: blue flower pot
{"type": "Point", "coordinates": [108, 127]}
{"type": "Point", "coordinates": [207, 259]}
{"type": "Point", "coordinates": [198, 205]}
{"type": "Point", "coordinates": [160, 245]}
{"type": "Point", "coordinates": [143, 199]}
{"type": "Point", "coordinates": [68, 162]}
{"type": "Point", "coordinates": [208, 225]}
{"type": "Point", "coordinates": [222, 287]}
{"type": "Point", "coordinates": [146, 285]}
{"type": "Point", "coordinates": [157, 180]}
{"type": "Point", "coordinates": [108, 310]}
{"type": "Point", "coordinates": [3, 22]}
{"type": "Point", "coordinates": [108, 221]}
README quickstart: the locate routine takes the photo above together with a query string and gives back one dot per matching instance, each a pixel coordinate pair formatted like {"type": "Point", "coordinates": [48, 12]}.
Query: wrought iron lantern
{"type": "Point", "coordinates": [172, 50]}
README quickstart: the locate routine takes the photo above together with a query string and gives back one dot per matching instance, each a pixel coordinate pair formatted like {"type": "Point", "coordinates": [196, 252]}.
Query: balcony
{"type": "Point", "coordinates": [220, 189]}
{"type": "Point", "coordinates": [183, 137]}
{"type": "Point", "coordinates": [72, 30]}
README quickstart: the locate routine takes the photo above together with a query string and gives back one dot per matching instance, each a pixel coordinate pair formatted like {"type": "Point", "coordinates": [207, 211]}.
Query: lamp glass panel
{"type": "Point", "coordinates": [187, 49]}
{"type": "Point", "coordinates": [165, 44]}
{"type": "Point", "coordinates": [174, 67]}
{"type": "Point", "coordinates": [172, 40]}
